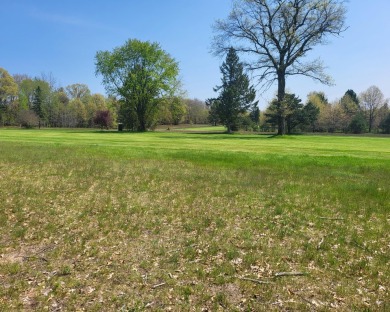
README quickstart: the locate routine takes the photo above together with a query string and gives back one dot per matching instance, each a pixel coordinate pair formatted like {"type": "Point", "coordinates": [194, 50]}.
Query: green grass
{"type": "Point", "coordinates": [109, 221]}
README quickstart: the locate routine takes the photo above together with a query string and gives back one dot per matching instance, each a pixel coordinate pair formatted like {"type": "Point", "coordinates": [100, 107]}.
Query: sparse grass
{"type": "Point", "coordinates": [120, 221]}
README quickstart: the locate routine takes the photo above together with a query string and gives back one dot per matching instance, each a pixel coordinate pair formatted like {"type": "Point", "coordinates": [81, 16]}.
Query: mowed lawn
{"type": "Point", "coordinates": [108, 221]}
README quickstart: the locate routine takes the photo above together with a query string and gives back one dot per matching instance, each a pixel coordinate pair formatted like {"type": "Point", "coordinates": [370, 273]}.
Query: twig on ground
{"type": "Point", "coordinates": [331, 219]}
{"type": "Point", "coordinates": [158, 285]}
{"type": "Point", "coordinates": [149, 304]}
{"type": "Point", "coordinates": [354, 242]}
{"type": "Point", "coordinates": [320, 243]}
{"type": "Point", "coordinates": [33, 258]}
{"type": "Point", "coordinates": [36, 254]}
{"type": "Point", "coordinates": [257, 281]}
{"type": "Point", "coordinates": [281, 274]}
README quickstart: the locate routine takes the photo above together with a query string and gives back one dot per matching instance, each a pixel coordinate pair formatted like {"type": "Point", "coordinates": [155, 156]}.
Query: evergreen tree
{"type": "Point", "coordinates": [290, 109]}
{"type": "Point", "coordinates": [385, 124]}
{"type": "Point", "coordinates": [236, 95]}
{"type": "Point", "coordinates": [358, 124]}
{"type": "Point", "coordinates": [310, 115]}
{"type": "Point", "coordinates": [353, 96]}
{"type": "Point", "coordinates": [37, 104]}
{"type": "Point", "coordinates": [212, 105]}
{"type": "Point", "coordinates": [255, 115]}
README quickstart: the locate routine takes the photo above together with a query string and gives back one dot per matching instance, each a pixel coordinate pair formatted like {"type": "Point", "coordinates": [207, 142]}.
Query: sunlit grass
{"type": "Point", "coordinates": [107, 221]}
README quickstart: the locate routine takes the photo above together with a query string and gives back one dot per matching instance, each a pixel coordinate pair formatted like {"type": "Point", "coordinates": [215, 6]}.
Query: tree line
{"type": "Point", "coordinates": [35, 102]}
{"type": "Point", "coordinates": [236, 108]}
{"type": "Point", "coordinates": [38, 102]}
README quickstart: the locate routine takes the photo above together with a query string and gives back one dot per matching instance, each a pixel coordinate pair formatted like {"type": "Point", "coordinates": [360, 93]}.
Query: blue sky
{"type": "Point", "coordinates": [62, 38]}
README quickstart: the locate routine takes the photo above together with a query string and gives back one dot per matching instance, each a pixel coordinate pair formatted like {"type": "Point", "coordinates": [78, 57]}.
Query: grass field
{"type": "Point", "coordinates": [107, 221]}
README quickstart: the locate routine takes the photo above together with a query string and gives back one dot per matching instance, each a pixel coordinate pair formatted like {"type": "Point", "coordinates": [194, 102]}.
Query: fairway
{"type": "Point", "coordinates": [108, 221]}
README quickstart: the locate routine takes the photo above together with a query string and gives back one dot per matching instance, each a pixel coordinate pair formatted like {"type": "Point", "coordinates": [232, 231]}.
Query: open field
{"type": "Point", "coordinates": [107, 221]}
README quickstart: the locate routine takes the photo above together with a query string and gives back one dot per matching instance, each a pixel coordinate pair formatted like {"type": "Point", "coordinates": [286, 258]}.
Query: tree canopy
{"type": "Point", "coordinates": [140, 73]}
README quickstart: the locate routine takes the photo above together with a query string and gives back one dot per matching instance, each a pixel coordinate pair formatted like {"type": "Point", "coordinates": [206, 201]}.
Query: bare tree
{"type": "Point", "coordinates": [372, 100]}
{"type": "Point", "coordinates": [78, 91]}
{"type": "Point", "coordinates": [277, 35]}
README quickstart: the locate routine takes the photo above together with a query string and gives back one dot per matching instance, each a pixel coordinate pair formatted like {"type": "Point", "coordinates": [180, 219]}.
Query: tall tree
{"type": "Point", "coordinates": [212, 105]}
{"type": "Point", "coordinates": [349, 104]}
{"type": "Point", "coordinates": [78, 91]}
{"type": "Point", "coordinates": [372, 100]}
{"type": "Point", "coordinates": [140, 73]}
{"type": "Point", "coordinates": [255, 115]}
{"type": "Point", "coordinates": [8, 92]}
{"type": "Point", "coordinates": [172, 110]}
{"type": "Point", "coordinates": [278, 34]}
{"type": "Point", "coordinates": [294, 107]}
{"type": "Point", "coordinates": [310, 115]}
{"type": "Point", "coordinates": [197, 112]}
{"type": "Point", "coordinates": [385, 124]}
{"type": "Point", "coordinates": [353, 96]}
{"type": "Point", "coordinates": [38, 104]}
{"type": "Point", "coordinates": [236, 94]}
{"type": "Point", "coordinates": [290, 109]}
{"type": "Point", "coordinates": [319, 100]}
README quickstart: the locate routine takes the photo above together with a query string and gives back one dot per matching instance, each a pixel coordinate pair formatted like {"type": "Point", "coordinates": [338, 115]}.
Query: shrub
{"type": "Point", "coordinates": [358, 124]}
{"type": "Point", "coordinates": [385, 124]}
{"type": "Point", "coordinates": [28, 119]}
{"type": "Point", "coordinates": [103, 119]}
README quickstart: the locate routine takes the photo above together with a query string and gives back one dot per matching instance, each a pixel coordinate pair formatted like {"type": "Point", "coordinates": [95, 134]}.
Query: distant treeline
{"type": "Point", "coordinates": [38, 102]}
{"type": "Point", "coordinates": [33, 102]}
{"type": "Point", "coordinates": [368, 112]}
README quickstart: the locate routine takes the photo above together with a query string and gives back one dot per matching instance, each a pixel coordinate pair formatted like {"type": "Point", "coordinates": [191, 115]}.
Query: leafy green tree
{"type": "Point", "coordinates": [319, 100]}
{"type": "Point", "coordinates": [95, 102]}
{"type": "Point", "coordinates": [140, 73]}
{"type": "Point", "coordinates": [350, 106]}
{"type": "Point", "coordinates": [77, 113]}
{"type": "Point", "coordinates": [294, 116]}
{"type": "Point", "coordinates": [236, 94]}
{"type": "Point", "coordinates": [8, 87]}
{"type": "Point", "coordinates": [38, 104]}
{"type": "Point", "coordinates": [277, 35]}
{"type": "Point", "coordinates": [255, 115]}
{"type": "Point", "coordinates": [290, 110]}
{"type": "Point", "coordinates": [178, 109]}
{"type": "Point", "coordinates": [310, 115]}
{"type": "Point", "coordinates": [212, 105]}
{"type": "Point", "coordinates": [128, 116]}
{"type": "Point", "coordinates": [353, 96]}
{"type": "Point", "coordinates": [358, 124]}
{"type": "Point", "coordinates": [8, 93]}
{"type": "Point", "coordinates": [172, 110]}
{"type": "Point", "coordinates": [385, 124]}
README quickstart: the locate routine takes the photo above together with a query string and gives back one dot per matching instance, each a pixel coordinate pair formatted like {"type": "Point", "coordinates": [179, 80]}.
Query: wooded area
{"type": "Point", "coordinates": [29, 102]}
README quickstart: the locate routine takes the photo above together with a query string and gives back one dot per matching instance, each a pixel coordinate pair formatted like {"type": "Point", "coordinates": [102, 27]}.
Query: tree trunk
{"type": "Point", "coordinates": [141, 115]}
{"type": "Point", "coordinates": [229, 129]}
{"type": "Point", "coordinates": [281, 94]}
{"type": "Point", "coordinates": [371, 121]}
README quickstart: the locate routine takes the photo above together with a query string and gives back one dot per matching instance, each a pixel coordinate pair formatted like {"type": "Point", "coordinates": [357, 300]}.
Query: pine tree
{"type": "Point", "coordinates": [37, 104]}
{"type": "Point", "coordinates": [236, 94]}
